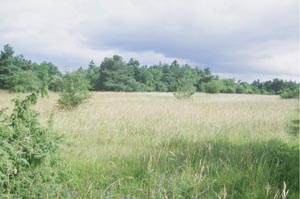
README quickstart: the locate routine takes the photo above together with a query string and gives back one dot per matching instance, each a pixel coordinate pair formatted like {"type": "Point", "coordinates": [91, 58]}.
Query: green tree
{"type": "Point", "coordinates": [145, 79]}
{"type": "Point", "coordinates": [116, 75]}
{"type": "Point", "coordinates": [213, 86]}
{"type": "Point", "coordinates": [24, 81]}
{"type": "Point", "coordinates": [171, 74]}
{"type": "Point", "coordinates": [93, 75]}
{"type": "Point", "coordinates": [75, 90]}
{"type": "Point", "coordinates": [291, 92]}
{"type": "Point", "coordinates": [204, 77]}
{"type": "Point", "coordinates": [157, 74]}
{"type": "Point", "coordinates": [228, 86]}
{"type": "Point", "coordinates": [7, 66]}
{"type": "Point", "coordinates": [22, 63]}
{"type": "Point", "coordinates": [258, 87]}
{"type": "Point", "coordinates": [49, 75]}
{"type": "Point", "coordinates": [244, 87]}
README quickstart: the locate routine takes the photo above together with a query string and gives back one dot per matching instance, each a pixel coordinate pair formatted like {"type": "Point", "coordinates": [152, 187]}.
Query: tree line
{"type": "Point", "coordinates": [19, 74]}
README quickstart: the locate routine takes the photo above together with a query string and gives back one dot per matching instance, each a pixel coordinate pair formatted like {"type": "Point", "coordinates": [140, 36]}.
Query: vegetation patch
{"type": "Point", "coordinates": [74, 91]}
{"type": "Point", "coordinates": [18, 74]}
{"type": "Point", "coordinates": [205, 169]}
{"type": "Point", "coordinates": [29, 164]}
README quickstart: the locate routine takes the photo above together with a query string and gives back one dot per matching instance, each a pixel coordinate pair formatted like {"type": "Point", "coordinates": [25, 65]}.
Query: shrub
{"type": "Point", "coordinates": [75, 91]}
{"type": "Point", "coordinates": [213, 86]}
{"type": "Point", "coordinates": [244, 87]}
{"type": "Point", "coordinates": [55, 83]}
{"type": "Point", "coordinates": [24, 81]}
{"type": "Point", "coordinates": [290, 93]}
{"type": "Point", "coordinates": [185, 90]}
{"type": "Point", "coordinates": [29, 166]}
{"type": "Point", "coordinates": [228, 86]}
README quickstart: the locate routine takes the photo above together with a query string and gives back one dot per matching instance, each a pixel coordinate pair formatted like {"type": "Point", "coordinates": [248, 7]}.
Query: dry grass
{"type": "Point", "coordinates": [119, 125]}
{"type": "Point", "coordinates": [111, 123]}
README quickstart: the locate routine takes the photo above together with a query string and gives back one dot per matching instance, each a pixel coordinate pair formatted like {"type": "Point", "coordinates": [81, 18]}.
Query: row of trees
{"type": "Point", "coordinates": [114, 74]}
{"type": "Point", "coordinates": [18, 74]}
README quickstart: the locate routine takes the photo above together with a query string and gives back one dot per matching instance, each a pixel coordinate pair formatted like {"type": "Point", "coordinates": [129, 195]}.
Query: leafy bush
{"type": "Point", "coordinates": [75, 91]}
{"type": "Point", "coordinates": [55, 83]}
{"type": "Point", "coordinates": [185, 89]}
{"type": "Point", "coordinates": [244, 87]}
{"type": "Point", "coordinates": [213, 86]}
{"type": "Point", "coordinates": [228, 86]}
{"type": "Point", "coordinates": [290, 93]}
{"type": "Point", "coordinates": [24, 81]}
{"type": "Point", "coordinates": [29, 166]}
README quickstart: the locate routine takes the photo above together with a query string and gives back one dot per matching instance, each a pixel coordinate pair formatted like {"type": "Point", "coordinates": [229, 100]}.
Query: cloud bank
{"type": "Point", "coordinates": [247, 39]}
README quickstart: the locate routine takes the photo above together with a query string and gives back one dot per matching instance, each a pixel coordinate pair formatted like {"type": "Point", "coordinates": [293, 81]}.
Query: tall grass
{"type": "Point", "coordinates": [150, 145]}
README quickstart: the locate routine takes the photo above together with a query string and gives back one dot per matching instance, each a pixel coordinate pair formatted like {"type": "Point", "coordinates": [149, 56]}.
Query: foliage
{"type": "Point", "coordinates": [244, 87]}
{"type": "Point", "coordinates": [75, 90]}
{"type": "Point", "coordinates": [7, 68]}
{"type": "Point", "coordinates": [24, 81]}
{"type": "Point", "coordinates": [204, 77]}
{"type": "Point", "coordinates": [114, 74]}
{"type": "Point", "coordinates": [93, 75]}
{"type": "Point", "coordinates": [228, 86]}
{"type": "Point", "coordinates": [185, 89]}
{"type": "Point", "coordinates": [18, 74]}
{"type": "Point", "coordinates": [29, 166]}
{"type": "Point", "coordinates": [213, 86]}
{"type": "Point", "coordinates": [149, 146]}
{"type": "Point", "coordinates": [55, 83]}
{"type": "Point", "coordinates": [291, 92]}
{"type": "Point", "coordinates": [48, 75]}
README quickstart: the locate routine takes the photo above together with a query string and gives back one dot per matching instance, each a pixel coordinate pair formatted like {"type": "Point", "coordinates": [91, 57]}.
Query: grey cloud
{"type": "Point", "coordinates": [232, 37]}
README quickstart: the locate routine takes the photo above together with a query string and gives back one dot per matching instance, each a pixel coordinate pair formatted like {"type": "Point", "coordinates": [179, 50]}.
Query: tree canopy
{"type": "Point", "coordinates": [19, 74]}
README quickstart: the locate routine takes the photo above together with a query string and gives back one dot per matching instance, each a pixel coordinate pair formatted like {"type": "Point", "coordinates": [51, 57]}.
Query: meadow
{"type": "Point", "coordinates": [152, 145]}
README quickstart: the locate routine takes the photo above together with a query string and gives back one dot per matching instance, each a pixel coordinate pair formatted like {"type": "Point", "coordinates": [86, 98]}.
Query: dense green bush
{"type": "Point", "coordinates": [213, 87]}
{"type": "Point", "coordinates": [56, 83]}
{"type": "Point", "coordinates": [291, 93]}
{"type": "Point", "coordinates": [244, 87]}
{"type": "Point", "coordinates": [75, 90]}
{"type": "Point", "coordinates": [185, 89]}
{"type": "Point", "coordinates": [29, 166]}
{"type": "Point", "coordinates": [228, 86]}
{"type": "Point", "coordinates": [24, 81]}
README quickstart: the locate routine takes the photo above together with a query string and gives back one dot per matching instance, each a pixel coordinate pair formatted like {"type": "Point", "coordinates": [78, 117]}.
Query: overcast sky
{"type": "Point", "coordinates": [244, 39]}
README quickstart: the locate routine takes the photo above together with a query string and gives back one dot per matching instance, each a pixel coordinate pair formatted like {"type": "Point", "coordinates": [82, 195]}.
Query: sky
{"type": "Point", "coordinates": [245, 40]}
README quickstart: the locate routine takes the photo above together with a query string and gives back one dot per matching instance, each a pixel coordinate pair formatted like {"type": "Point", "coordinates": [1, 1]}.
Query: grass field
{"type": "Point", "coordinates": [151, 145]}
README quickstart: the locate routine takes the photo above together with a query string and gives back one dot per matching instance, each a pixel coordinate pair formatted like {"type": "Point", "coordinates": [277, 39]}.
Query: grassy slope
{"type": "Point", "coordinates": [150, 145]}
